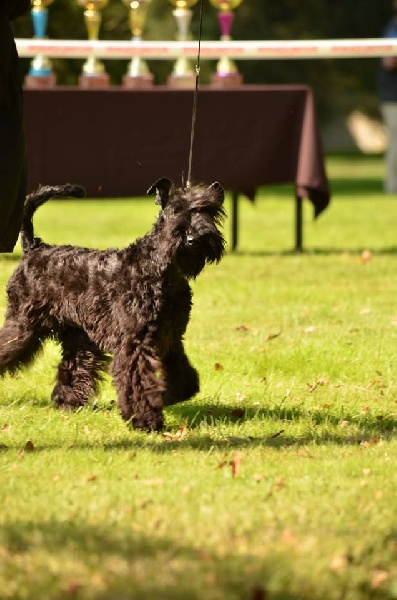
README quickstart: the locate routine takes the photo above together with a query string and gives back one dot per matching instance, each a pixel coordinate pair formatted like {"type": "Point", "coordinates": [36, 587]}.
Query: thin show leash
{"type": "Point", "coordinates": [195, 98]}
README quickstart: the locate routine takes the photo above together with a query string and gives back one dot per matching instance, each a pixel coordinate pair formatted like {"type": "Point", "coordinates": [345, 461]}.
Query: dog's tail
{"type": "Point", "coordinates": [36, 199]}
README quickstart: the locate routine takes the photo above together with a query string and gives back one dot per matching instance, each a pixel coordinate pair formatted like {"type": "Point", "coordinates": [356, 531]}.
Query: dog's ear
{"type": "Point", "coordinates": [161, 189]}
{"type": "Point", "coordinates": [218, 190]}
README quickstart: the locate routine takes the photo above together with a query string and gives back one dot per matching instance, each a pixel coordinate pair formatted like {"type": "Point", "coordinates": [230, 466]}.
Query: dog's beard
{"type": "Point", "coordinates": [192, 258]}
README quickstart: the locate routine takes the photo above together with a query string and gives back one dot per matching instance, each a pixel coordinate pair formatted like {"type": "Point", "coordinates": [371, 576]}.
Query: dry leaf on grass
{"type": "Point", "coordinates": [365, 256]}
{"type": "Point", "coordinates": [235, 464]}
{"type": "Point", "coordinates": [72, 588]}
{"type": "Point", "coordinates": [378, 577]}
{"type": "Point", "coordinates": [218, 367]}
{"type": "Point", "coordinates": [154, 482]}
{"type": "Point", "coordinates": [178, 436]}
{"type": "Point", "coordinates": [338, 563]}
{"type": "Point", "coordinates": [313, 386]}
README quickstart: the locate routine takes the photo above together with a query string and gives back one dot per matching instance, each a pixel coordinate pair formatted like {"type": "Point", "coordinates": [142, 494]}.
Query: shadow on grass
{"type": "Point", "coordinates": [124, 564]}
{"type": "Point", "coordinates": [207, 429]}
{"type": "Point", "coordinates": [315, 251]}
{"type": "Point", "coordinates": [121, 563]}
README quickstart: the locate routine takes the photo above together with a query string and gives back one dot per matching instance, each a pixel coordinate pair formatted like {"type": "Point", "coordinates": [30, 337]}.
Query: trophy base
{"type": "Point", "coordinates": [226, 80]}
{"type": "Point", "coordinates": [94, 82]}
{"type": "Point", "coordinates": [40, 82]}
{"type": "Point", "coordinates": [138, 82]}
{"type": "Point", "coordinates": [181, 81]}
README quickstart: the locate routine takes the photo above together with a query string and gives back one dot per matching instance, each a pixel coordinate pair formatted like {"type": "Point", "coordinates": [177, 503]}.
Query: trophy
{"type": "Point", "coordinates": [94, 74]}
{"type": "Point", "coordinates": [226, 74]}
{"type": "Point", "coordinates": [40, 74]}
{"type": "Point", "coordinates": [138, 74]}
{"type": "Point", "coordinates": [183, 74]}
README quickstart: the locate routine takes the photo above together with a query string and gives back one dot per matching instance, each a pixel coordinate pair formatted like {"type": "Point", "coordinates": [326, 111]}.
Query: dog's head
{"type": "Point", "coordinates": [189, 222]}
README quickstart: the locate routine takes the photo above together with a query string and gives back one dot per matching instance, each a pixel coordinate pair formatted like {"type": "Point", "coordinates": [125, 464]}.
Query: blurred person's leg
{"type": "Point", "coordinates": [389, 113]}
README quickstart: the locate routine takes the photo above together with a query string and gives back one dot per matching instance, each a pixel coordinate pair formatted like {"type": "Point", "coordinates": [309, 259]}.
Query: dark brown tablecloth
{"type": "Point", "coordinates": [117, 142]}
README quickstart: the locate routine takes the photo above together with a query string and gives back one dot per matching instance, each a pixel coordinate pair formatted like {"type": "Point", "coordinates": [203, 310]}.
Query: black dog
{"type": "Point", "coordinates": [133, 304]}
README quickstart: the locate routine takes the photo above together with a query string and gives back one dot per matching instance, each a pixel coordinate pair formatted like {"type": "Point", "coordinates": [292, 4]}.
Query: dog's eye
{"type": "Point", "coordinates": [189, 239]}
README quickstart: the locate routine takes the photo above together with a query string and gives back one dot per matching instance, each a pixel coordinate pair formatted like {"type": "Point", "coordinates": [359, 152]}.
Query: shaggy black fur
{"type": "Point", "coordinates": [133, 304]}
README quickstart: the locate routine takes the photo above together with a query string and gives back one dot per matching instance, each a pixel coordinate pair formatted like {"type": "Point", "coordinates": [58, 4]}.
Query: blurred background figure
{"type": "Point", "coordinates": [12, 139]}
{"type": "Point", "coordinates": [387, 91]}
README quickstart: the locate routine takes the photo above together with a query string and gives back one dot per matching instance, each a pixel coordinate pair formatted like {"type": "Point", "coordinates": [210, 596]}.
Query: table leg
{"type": "Point", "coordinates": [298, 224]}
{"type": "Point", "coordinates": [234, 220]}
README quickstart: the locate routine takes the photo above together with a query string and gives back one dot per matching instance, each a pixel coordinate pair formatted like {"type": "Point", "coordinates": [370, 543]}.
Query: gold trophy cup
{"type": "Point", "coordinates": [94, 74]}
{"type": "Point", "coordinates": [138, 74]}
{"type": "Point", "coordinates": [227, 74]}
{"type": "Point", "coordinates": [40, 73]}
{"type": "Point", "coordinates": [183, 74]}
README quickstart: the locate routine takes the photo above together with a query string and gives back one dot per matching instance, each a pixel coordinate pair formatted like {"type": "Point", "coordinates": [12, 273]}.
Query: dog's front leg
{"type": "Point", "coordinates": [140, 386]}
{"type": "Point", "coordinates": [182, 379]}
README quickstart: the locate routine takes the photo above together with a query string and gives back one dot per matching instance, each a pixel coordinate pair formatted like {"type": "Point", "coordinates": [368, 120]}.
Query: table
{"type": "Point", "coordinates": [117, 142]}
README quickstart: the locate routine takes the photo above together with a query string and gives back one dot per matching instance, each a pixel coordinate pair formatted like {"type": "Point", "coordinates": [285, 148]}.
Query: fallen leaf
{"type": "Point", "coordinates": [321, 381]}
{"type": "Point", "coordinates": [288, 537]}
{"type": "Point", "coordinates": [178, 436]}
{"type": "Point", "coordinates": [310, 329]}
{"type": "Point", "coordinates": [155, 482]}
{"type": "Point", "coordinates": [4, 427]}
{"type": "Point", "coordinates": [218, 367]}
{"type": "Point", "coordinates": [378, 577]}
{"type": "Point", "coordinates": [272, 336]}
{"type": "Point", "coordinates": [73, 588]}
{"type": "Point", "coordinates": [365, 256]}
{"type": "Point", "coordinates": [338, 563]}
{"type": "Point", "coordinates": [235, 464]}
{"type": "Point", "coordinates": [91, 477]}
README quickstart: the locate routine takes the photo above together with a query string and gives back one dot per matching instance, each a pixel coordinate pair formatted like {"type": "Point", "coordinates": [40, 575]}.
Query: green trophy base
{"type": "Point", "coordinates": [226, 80]}
{"type": "Point", "coordinates": [40, 82]}
{"type": "Point", "coordinates": [138, 82]}
{"type": "Point", "coordinates": [94, 82]}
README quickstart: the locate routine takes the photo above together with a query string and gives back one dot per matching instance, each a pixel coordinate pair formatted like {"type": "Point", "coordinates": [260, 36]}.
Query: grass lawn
{"type": "Point", "coordinates": [278, 481]}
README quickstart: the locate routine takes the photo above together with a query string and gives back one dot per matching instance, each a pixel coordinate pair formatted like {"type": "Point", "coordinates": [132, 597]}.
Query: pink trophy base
{"type": "Point", "coordinates": [227, 80]}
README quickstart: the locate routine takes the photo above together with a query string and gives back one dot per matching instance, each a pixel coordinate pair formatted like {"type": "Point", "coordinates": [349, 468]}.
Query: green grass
{"type": "Point", "coordinates": [284, 486]}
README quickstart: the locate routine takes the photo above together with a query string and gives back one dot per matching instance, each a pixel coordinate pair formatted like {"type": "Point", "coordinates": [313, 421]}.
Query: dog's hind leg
{"type": "Point", "coordinates": [79, 371]}
{"type": "Point", "coordinates": [182, 380]}
{"type": "Point", "coordinates": [140, 385]}
{"type": "Point", "coordinates": [19, 344]}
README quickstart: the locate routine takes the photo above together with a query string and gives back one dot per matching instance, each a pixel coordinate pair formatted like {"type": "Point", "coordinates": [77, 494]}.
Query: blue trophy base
{"type": "Point", "coordinates": [40, 81]}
